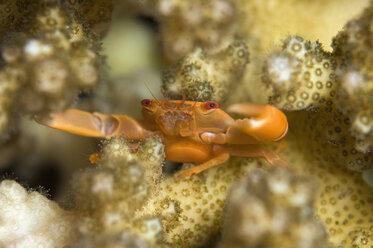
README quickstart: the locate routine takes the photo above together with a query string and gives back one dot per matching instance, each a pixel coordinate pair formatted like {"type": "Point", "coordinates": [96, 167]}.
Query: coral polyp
{"type": "Point", "coordinates": [302, 76]}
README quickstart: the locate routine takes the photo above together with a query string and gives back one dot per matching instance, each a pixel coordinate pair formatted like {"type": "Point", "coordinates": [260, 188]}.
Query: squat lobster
{"type": "Point", "coordinates": [194, 132]}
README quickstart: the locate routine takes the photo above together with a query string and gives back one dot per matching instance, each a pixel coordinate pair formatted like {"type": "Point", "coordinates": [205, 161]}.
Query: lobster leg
{"type": "Point", "coordinates": [95, 157]}
{"type": "Point", "coordinates": [257, 151]}
{"type": "Point", "coordinates": [223, 153]}
{"type": "Point", "coordinates": [265, 123]}
{"type": "Point", "coordinates": [96, 124]}
{"type": "Point", "coordinates": [218, 159]}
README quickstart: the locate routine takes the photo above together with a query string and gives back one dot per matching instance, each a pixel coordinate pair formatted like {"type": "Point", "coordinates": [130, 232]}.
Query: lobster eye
{"type": "Point", "coordinates": [146, 102]}
{"type": "Point", "coordinates": [211, 105]}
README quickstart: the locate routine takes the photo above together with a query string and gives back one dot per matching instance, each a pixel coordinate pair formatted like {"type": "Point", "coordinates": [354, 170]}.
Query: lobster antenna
{"type": "Point", "coordinates": [151, 93]}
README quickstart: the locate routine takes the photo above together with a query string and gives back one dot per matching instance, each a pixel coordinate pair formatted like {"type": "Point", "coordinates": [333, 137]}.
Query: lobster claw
{"type": "Point", "coordinates": [266, 123]}
{"type": "Point", "coordinates": [95, 124]}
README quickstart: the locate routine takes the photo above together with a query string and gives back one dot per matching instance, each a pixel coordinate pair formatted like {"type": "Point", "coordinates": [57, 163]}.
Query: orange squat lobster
{"type": "Point", "coordinates": [193, 132]}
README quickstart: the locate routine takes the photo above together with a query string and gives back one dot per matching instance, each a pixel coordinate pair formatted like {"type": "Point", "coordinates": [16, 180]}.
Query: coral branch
{"type": "Point", "coordinates": [47, 62]}
{"type": "Point", "coordinates": [31, 220]}
{"type": "Point", "coordinates": [303, 77]}
{"type": "Point", "coordinates": [272, 209]}
{"type": "Point", "coordinates": [204, 76]}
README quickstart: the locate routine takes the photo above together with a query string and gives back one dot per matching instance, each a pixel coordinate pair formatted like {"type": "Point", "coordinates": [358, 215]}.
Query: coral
{"type": "Point", "coordinates": [344, 201]}
{"type": "Point", "coordinates": [47, 62]}
{"type": "Point", "coordinates": [303, 77]}
{"type": "Point", "coordinates": [8, 94]}
{"type": "Point", "coordinates": [109, 196]}
{"type": "Point", "coordinates": [271, 21]}
{"type": "Point", "coordinates": [187, 25]}
{"type": "Point", "coordinates": [97, 14]}
{"type": "Point", "coordinates": [29, 219]}
{"type": "Point", "coordinates": [324, 119]}
{"type": "Point", "coordinates": [14, 14]}
{"type": "Point", "coordinates": [206, 24]}
{"type": "Point", "coordinates": [192, 207]}
{"type": "Point", "coordinates": [351, 48]}
{"type": "Point", "coordinates": [187, 212]}
{"type": "Point", "coordinates": [272, 209]}
{"type": "Point", "coordinates": [329, 141]}
{"type": "Point", "coordinates": [335, 82]}
{"type": "Point", "coordinates": [360, 238]}
{"type": "Point", "coordinates": [127, 192]}
{"type": "Point", "coordinates": [203, 76]}
{"type": "Point", "coordinates": [125, 239]}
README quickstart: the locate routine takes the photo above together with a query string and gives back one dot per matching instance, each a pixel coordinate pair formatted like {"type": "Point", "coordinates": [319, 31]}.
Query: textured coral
{"type": "Point", "coordinates": [192, 207]}
{"type": "Point", "coordinates": [47, 63]}
{"type": "Point", "coordinates": [203, 76]}
{"type": "Point", "coordinates": [186, 25]}
{"type": "Point", "coordinates": [14, 14]}
{"type": "Point", "coordinates": [125, 239]}
{"type": "Point", "coordinates": [272, 209]}
{"type": "Point", "coordinates": [360, 238]}
{"type": "Point", "coordinates": [303, 77]}
{"type": "Point", "coordinates": [187, 212]}
{"type": "Point", "coordinates": [109, 195]}
{"type": "Point", "coordinates": [344, 201]}
{"type": "Point", "coordinates": [342, 77]}
{"type": "Point", "coordinates": [29, 219]}
{"type": "Point", "coordinates": [329, 139]}
{"type": "Point", "coordinates": [97, 13]}
{"type": "Point", "coordinates": [127, 192]}
{"type": "Point", "coordinates": [352, 50]}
